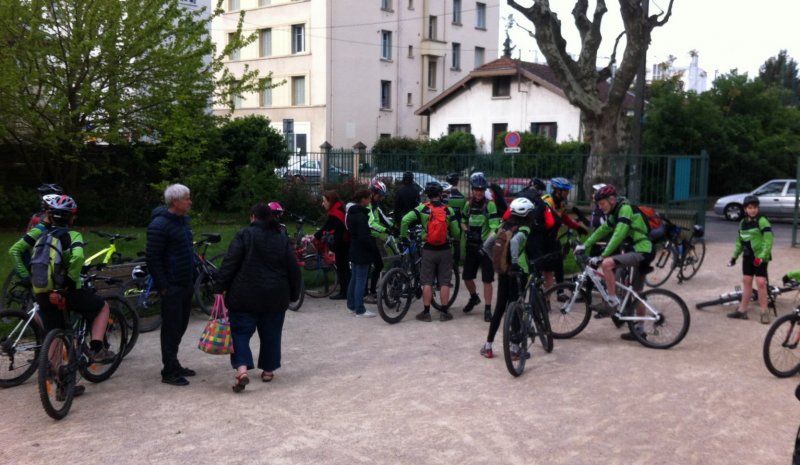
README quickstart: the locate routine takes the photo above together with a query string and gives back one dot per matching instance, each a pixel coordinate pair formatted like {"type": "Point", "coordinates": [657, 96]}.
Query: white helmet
{"type": "Point", "coordinates": [597, 187]}
{"type": "Point", "coordinates": [521, 206]}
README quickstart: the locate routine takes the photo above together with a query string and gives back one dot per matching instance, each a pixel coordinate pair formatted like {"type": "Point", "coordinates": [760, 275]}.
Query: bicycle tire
{"type": "Point", "coordinates": [114, 339]}
{"type": "Point", "coordinates": [693, 260]}
{"type": "Point", "coordinates": [453, 292]}
{"type": "Point", "coordinates": [15, 296]}
{"type": "Point", "coordinates": [295, 306]}
{"type": "Point", "coordinates": [395, 292]}
{"type": "Point", "coordinates": [781, 352]}
{"type": "Point", "coordinates": [204, 292]}
{"type": "Point", "coordinates": [321, 282]}
{"type": "Point", "coordinates": [567, 319]}
{"type": "Point", "coordinates": [515, 332]}
{"type": "Point", "coordinates": [57, 384]}
{"type": "Point", "coordinates": [671, 325]}
{"type": "Point", "coordinates": [131, 320]}
{"type": "Point", "coordinates": [796, 453]}
{"type": "Point", "coordinates": [733, 297]}
{"type": "Point", "coordinates": [149, 309]}
{"type": "Point", "coordinates": [18, 361]}
{"type": "Point", "coordinates": [541, 320]}
{"type": "Point", "coordinates": [663, 265]}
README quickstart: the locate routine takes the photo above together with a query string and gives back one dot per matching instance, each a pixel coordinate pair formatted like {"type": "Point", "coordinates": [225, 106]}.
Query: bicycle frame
{"type": "Point", "coordinates": [631, 297]}
{"type": "Point", "coordinates": [23, 325]}
{"type": "Point", "coordinates": [106, 253]}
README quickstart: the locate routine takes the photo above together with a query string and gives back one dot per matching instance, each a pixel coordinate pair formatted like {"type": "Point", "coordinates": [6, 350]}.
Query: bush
{"type": "Point", "coordinates": [346, 189]}
{"type": "Point", "coordinates": [299, 199]}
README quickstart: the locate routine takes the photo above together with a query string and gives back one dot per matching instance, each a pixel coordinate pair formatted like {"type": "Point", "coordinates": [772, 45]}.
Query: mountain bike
{"type": "Point", "coordinates": [781, 352]}
{"type": "Point", "coordinates": [685, 254]}
{"type": "Point", "coordinates": [145, 300]}
{"type": "Point", "coordinates": [733, 298]}
{"type": "Point", "coordinates": [65, 354]}
{"type": "Point", "coordinates": [20, 339]}
{"type": "Point", "coordinates": [318, 267]}
{"type": "Point", "coordinates": [129, 313]}
{"type": "Point", "coordinates": [665, 321]}
{"type": "Point", "coordinates": [110, 254]}
{"type": "Point", "coordinates": [205, 269]}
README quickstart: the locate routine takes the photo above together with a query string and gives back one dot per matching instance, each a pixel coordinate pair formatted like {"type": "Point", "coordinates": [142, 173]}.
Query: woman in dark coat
{"type": "Point", "coordinates": [260, 277]}
{"type": "Point", "coordinates": [340, 240]}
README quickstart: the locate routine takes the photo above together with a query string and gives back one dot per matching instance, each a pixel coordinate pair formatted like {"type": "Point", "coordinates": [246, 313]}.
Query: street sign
{"type": "Point", "coordinates": [512, 140]}
{"type": "Point", "coordinates": [511, 150]}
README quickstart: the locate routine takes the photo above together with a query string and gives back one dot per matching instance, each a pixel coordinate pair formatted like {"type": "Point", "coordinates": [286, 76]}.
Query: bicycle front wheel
{"type": "Point", "coordinates": [146, 303]}
{"type": "Point", "coordinates": [131, 319]}
{"type": "Point", "coordinates": [437, 290]}
{"type": "Point", "coordinates": [568, 311]}
{"type": "Point", "coordinates": [19, 347]}
{"type": "Point", "coordinates": [295, 306]}
{"type": "Point", "coordinates": [695, 254]}
{"type": "Point", "coordinates": [515, 338]}
{"type": "Point", "coordinates": [113, 340]}
{"type": "Point", "coordinates": [395, 292]}
{"type": "Point", "coordinates": [57, 374]}
{"type": "Point", "coordinates": [781, 354]}
{"type": "Point", "coordinates": [320, 281]}
{"type": "Point", "coordinates": [541, 320]}
{"type": "Point", "coordinates": [662, 265]}
{"type": "Point", "coordinates": [671, 321]}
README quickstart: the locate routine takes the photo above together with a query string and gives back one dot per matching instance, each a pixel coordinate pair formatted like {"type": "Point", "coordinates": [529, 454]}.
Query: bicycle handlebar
{"type": "Point", "coordinates": [112, 237]}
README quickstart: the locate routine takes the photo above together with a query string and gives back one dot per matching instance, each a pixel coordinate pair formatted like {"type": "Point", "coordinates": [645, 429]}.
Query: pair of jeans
{"type": "Point", "coordinates": [269, 327]}
{"type": "Point", "coordinates": [176, 306]}
{"type": "Point", "coordinates": [357, 287]}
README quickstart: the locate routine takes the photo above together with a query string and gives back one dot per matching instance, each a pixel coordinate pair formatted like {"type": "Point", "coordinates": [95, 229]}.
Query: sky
{"type": "Point", "coordinates": [727, 34]}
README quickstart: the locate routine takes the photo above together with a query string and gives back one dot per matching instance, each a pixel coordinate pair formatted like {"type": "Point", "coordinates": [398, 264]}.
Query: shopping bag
{"type": "Point", "coordinates": [216, 338]}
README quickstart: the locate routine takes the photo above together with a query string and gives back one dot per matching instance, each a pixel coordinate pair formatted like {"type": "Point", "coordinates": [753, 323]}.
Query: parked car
{"type": "Point", "coordinates": [776, 200]}
{"type": "Point", "coordinates": [420, 179]}
{"type": "Point", "coordinates": [310, 171]}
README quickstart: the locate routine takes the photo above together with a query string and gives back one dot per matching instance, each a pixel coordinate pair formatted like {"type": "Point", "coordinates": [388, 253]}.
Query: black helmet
{"type": "Point", "coordinates": [538, 184]}
{"type": "Point", "coordinates": [478, 181]}
{"type": "Point", "coordinates": [408, 177]}
{"type": "Point", "coordinates": [452, 178]}
{"type": "Point", "coordinates": [46, 189]}
{"type": "Point", "coordinates": [750, 199]}
{"type": "Point", "coordinates": [433, 189]}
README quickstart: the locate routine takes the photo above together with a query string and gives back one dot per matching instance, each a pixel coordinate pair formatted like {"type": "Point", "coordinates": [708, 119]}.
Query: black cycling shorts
{"type": "Point", "coordinates": [748, 269]}
{"type": "Point", "coordinates": [474, 260]}
{"type": "Point", "coordinates": [84, 302]}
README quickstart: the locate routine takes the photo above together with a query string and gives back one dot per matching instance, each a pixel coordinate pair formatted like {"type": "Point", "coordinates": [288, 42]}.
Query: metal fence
{"type": "Point", "coordinates": [676, 185]}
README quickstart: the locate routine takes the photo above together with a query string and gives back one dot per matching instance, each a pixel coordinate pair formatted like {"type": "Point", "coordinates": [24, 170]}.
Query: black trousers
{"type": "Point", "coordinates": [176, 306]}
{"type": "Point", "coordinates": [343, 269]}
{"type": "Point", "coordinates": [506, 292]}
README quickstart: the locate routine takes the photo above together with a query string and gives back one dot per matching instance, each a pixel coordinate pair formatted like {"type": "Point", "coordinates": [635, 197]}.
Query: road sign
{"type": "Point", "coordinates": [512, 139]}
{"type": "Point", "coordinates": [511, 150]}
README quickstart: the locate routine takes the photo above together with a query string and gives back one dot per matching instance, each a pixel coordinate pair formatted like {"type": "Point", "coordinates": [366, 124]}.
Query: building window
{"type": "Point", "coordinates": [265, 98]}
{"type": "Point", "coordinates": [432, 73]}
{"type": "Point", "coordinates": [265, 42]}
{"type": "Point", "coordinates": [480, 18]}
{"type": "Point", "coordinates": [411, 51]}
{"type": "Point", "coordinates": [451, 128]}
{"type": "Point", "coordinates": [456, 55]}
{"type": "Point", "coordinates": [501, 86]}
{"type": "Point", "coordinates": [264, 2]}
{"type": "Point", "coordinates": [549, 130]}
{"type": "Point", "coordinates": [480, 52]}
{"type": "Point", "coordinates": [386, 5]}
{"type": "Point", "coordinates": [386, 45]}
{"type": "Point", "coordinates": [456, 11]}
{"type": "Point", "coordinates": [298, 90]}
{"type": "Point", "coordinates": [237, 101]}
{"type": "Point", "coordinates": [233, 5]}
{"type": "Point", "coordinates": [386, 95]}
{"type": "Point", "coordinates": [497, 129]}
{"type": "Point", "coordinates": [409, 99]}
{"type": "Point", "coordinates": [410, 4]}
{"type": "Point", "coordinates": [432, 27]}
{"type": "Point", "coordinates": [384, 135]}
{"type": "Point", "coordinates": [234, 53]}
{"type": "Point", "coordinates": [298, 38]}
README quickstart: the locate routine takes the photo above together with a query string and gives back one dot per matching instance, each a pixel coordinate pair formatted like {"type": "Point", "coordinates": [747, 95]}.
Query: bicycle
{"type": "Point", "coordinates": [131, 316]}
{"type": "Point", "coordinates": [143, 298]}
{"type": "Point", "coordinates": [320, 278]}
{"type": "Point", "coordinates": [733, 298]}
{"type": "Point", "coordinates": [205, 269]}
{"type": "Point", "coordinates": [65, 353]}
{"type": "Point", "coordinates": [110, 254]}
{"type": "Point", "coordinates": [780, 350]}
{"type": "Point", "coordinates": [664, 324]}
{"type": "Point", "coordinates": [684, 253]}
{"type": "Point", "coordinates": [20, 340]}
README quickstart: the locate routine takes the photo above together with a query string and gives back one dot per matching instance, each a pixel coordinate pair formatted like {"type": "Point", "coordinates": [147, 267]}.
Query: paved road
{"type": "Point", "coordinates": [355, 391]}
{"type": "Point", "coordinates": [721, 230]}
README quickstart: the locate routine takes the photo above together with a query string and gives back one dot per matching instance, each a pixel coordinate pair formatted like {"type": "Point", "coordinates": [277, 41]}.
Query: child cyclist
{"type": "Point", "coordinates": [754, 243]}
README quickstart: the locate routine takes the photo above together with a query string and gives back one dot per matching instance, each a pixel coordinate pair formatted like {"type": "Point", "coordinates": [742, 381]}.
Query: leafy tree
{"type": "Point", "coordinates": [781, 71]}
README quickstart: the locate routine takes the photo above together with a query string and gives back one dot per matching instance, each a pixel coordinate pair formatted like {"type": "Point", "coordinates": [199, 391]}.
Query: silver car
{"type": "Point", "coordinates": [310, 170]}
{"type": "Point", "coordinates": [420, 179]}
{"type": "Point", "coordinates": [776, 200]}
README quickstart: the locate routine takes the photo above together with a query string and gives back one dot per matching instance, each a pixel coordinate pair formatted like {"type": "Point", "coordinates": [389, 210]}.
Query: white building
{"type": "Point", "coordinates": [354, 70]}
{"type": "Point", "coordinates": [693, 77]}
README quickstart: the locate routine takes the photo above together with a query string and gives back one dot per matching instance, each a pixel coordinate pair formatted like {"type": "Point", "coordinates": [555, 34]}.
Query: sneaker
{"type": "Point", "coordinates": [473, 301]}
{"type": "Point", "coordinates": [186, 372]}
{"type": "Point", "coordinates": [486, 352]}
{"type": "Point", "coordinates": [630, 337]}
{"type": "Point", "coordinates": [487, 315]}
{"type": "Point", "coordinates": [737, 315]}
{"type": "Point", "coordinates": [371, 298]}
{"type": "Point", "coordinates": [516, 353]}
{"type": "Point", "coordinates": [366, 314]}
{"type": "Point", "coordinates": [445, 316]}
{"type": "Point", "coordinates": [79, 391]}
{"type": "Point", "coordinates": [424, 316]}
{"type": "Point", "coordinates": [604, 308]}
{"type": "Point", "coordinates": [102, 356]}
{"type": "Point", "coordinates": [765, 318]}
{"type": "Point", "coordinates": [174, 380]}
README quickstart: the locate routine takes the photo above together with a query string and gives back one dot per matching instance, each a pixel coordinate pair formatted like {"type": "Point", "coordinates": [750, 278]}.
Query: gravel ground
{"type": "Point", "coordinates": [362, 391]}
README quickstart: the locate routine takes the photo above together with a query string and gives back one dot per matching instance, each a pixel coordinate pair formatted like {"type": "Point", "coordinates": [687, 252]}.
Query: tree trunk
{"type": "Point", "coordinates": [606, 163]}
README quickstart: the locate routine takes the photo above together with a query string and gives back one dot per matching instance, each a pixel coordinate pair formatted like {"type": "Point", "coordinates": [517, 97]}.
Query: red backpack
{"type": "Point", "coordinates": [437, 225]}
{"type": "Point", "coordinates": [651, 217]}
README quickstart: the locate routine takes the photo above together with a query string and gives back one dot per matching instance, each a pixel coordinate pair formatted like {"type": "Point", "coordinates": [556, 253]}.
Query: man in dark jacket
{"type": "Point", "coordinates": [406, 198]}
{"type": "Point", "coordinates": [362, 253]}
{"type": "Point", "coordinates": [170, 261]}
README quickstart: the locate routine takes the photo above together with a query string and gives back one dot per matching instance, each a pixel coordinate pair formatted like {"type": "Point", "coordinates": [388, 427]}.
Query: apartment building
{"type": "Point", "coordinates": [356, 70]}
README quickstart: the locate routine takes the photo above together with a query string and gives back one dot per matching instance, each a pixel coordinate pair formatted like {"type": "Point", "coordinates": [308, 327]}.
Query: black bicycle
{"type": "Point", "coordinates": [205, 269]}
{"type": "Point", "coordinates": [686, 254]}
{"type": "Point", "coordinates": [781, 348]}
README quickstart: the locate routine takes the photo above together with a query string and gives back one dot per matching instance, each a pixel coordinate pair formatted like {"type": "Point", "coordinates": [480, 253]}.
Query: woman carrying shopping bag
{"type": "Point", "coordinates": [259, 277]}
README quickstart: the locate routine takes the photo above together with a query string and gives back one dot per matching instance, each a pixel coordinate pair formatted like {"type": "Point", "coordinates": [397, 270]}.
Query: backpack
{"type": "Point", "coordinates": [651, 217]}
{"type": "Point", "coordinates": [500, 254]}
{"type": "Point", "coordinates": [437, 225]}
{"type": "Point", "coordinates": [48, 270]}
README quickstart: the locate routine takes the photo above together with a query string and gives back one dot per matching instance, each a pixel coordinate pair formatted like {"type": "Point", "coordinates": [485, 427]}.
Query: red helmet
{"type": "Point", "coordinates": [276, 207]}
{"type": "Point", "coordinates": [378, 187]}
{"type": "Point", "coordinates": [605, 192]}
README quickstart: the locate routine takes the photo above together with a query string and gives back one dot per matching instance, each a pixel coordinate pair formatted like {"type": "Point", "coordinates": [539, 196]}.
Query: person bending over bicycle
{"type": "Point", "coordinates": [45, 192]}
{"type": "Point", "coordinates": [625, 224]}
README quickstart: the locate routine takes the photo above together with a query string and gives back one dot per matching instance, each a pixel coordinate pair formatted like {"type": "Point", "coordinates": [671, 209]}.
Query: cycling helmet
{"type": "Point", "coordinates": [599, 186]}
{"type": "Point", "coordinates": [62, 207]}
{"type": "Point", "coordinates": [698, 231]}
{"type": "Point", "coordinates": [478, 181]}
{"type": "Point", "coordinates": [605, 192]}
{"type": "Point", "coordinates": [452, 178]}
{"type": "Point", "coordinates": [750, 199]}
{"type": "Point", "coordinates": [521, 206]}
{"type": "Point", "coordinates": [46, 189]}
{"type": "Point", "coordinates": [378, 187]}
{"type": "Point", "coordinates": [538, 184]}
{"type": "Point", "coordinates": [275, 207]}
{"type": "Point", "coordinates": [561, 183]}
{"type": "Point", "coordinates": [433, 189]}
{"type": "Point", "coordinates": [47, 198]}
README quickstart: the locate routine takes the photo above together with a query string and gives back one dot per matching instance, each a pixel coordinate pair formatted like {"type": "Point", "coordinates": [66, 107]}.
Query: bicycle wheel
{"type": "Point", "coordinates": [146, 302]}
{"type": "Point", "coordinates": [14, 295]}
{"type": "Point", "coordinates": [453, 292]}
{"type": "Point", "coordinates": [671, 323]}
{"type": "Point", "coordinates": [204, 290]}
{"type": "Point", "coordinates": [19, 347]}
{"type": "Point", "coordinates": [57, 374]}
{"type": "Point", "coordinates": [295, 306]}
{"type": "Point", "coordinates": [395, 292]}
{"type": "Point", "coordinates": [663, 264]}
{"type": "Point", "coordinates": [114, 340]}
{"type": "Point", "coordinates": [541, 320]}
{"type": "Point", "coordinates": [568, 312]}
{"type": "Point", "coordinates": [131, 321]}
{"type": "Point", "coordinates": [695, 254]}
{"type": "Point", "coordinates": [781, 354]}
{"type": "Point", "coordinates": [516, 327]}
{"type": "Point", "coordinates": [320, 281]}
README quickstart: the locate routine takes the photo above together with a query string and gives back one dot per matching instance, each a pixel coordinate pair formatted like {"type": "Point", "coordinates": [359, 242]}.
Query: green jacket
{"type": "Point", "coordinates": [378, 222]}
{"type": "Point", "coordinates": [73, 256]}
{"type": "Point", "coordinates": [624, 223]}
{"type": "Point", "coordinates": [421, 215]}
{"type": "Point", "coordinates": [517, 248]}
{"type": "Point", "coordinates": [483, 218]}
{"type": "Point", "coordinates": [754, 238]}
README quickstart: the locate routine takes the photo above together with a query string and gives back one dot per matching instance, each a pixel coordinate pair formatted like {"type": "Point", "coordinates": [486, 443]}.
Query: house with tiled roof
{"type": "Point", "coordinates": [505, 95]}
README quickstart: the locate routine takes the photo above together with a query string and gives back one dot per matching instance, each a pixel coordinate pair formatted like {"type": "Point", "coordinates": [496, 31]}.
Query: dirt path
{"type": "Point", "coordinates": [361, 391]}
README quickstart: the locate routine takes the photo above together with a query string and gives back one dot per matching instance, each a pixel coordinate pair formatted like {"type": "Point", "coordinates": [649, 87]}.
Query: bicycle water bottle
{"type": "Point", "coordinates": [680, 250]}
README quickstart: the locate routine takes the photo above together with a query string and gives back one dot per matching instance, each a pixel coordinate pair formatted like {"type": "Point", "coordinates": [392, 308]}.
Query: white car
{"type": "Point", "coordinates": [776, 200]}
{"type": "Point", "coordinates": [420, 179]}
{"type": "Point", "coordinates": [310, 170]}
